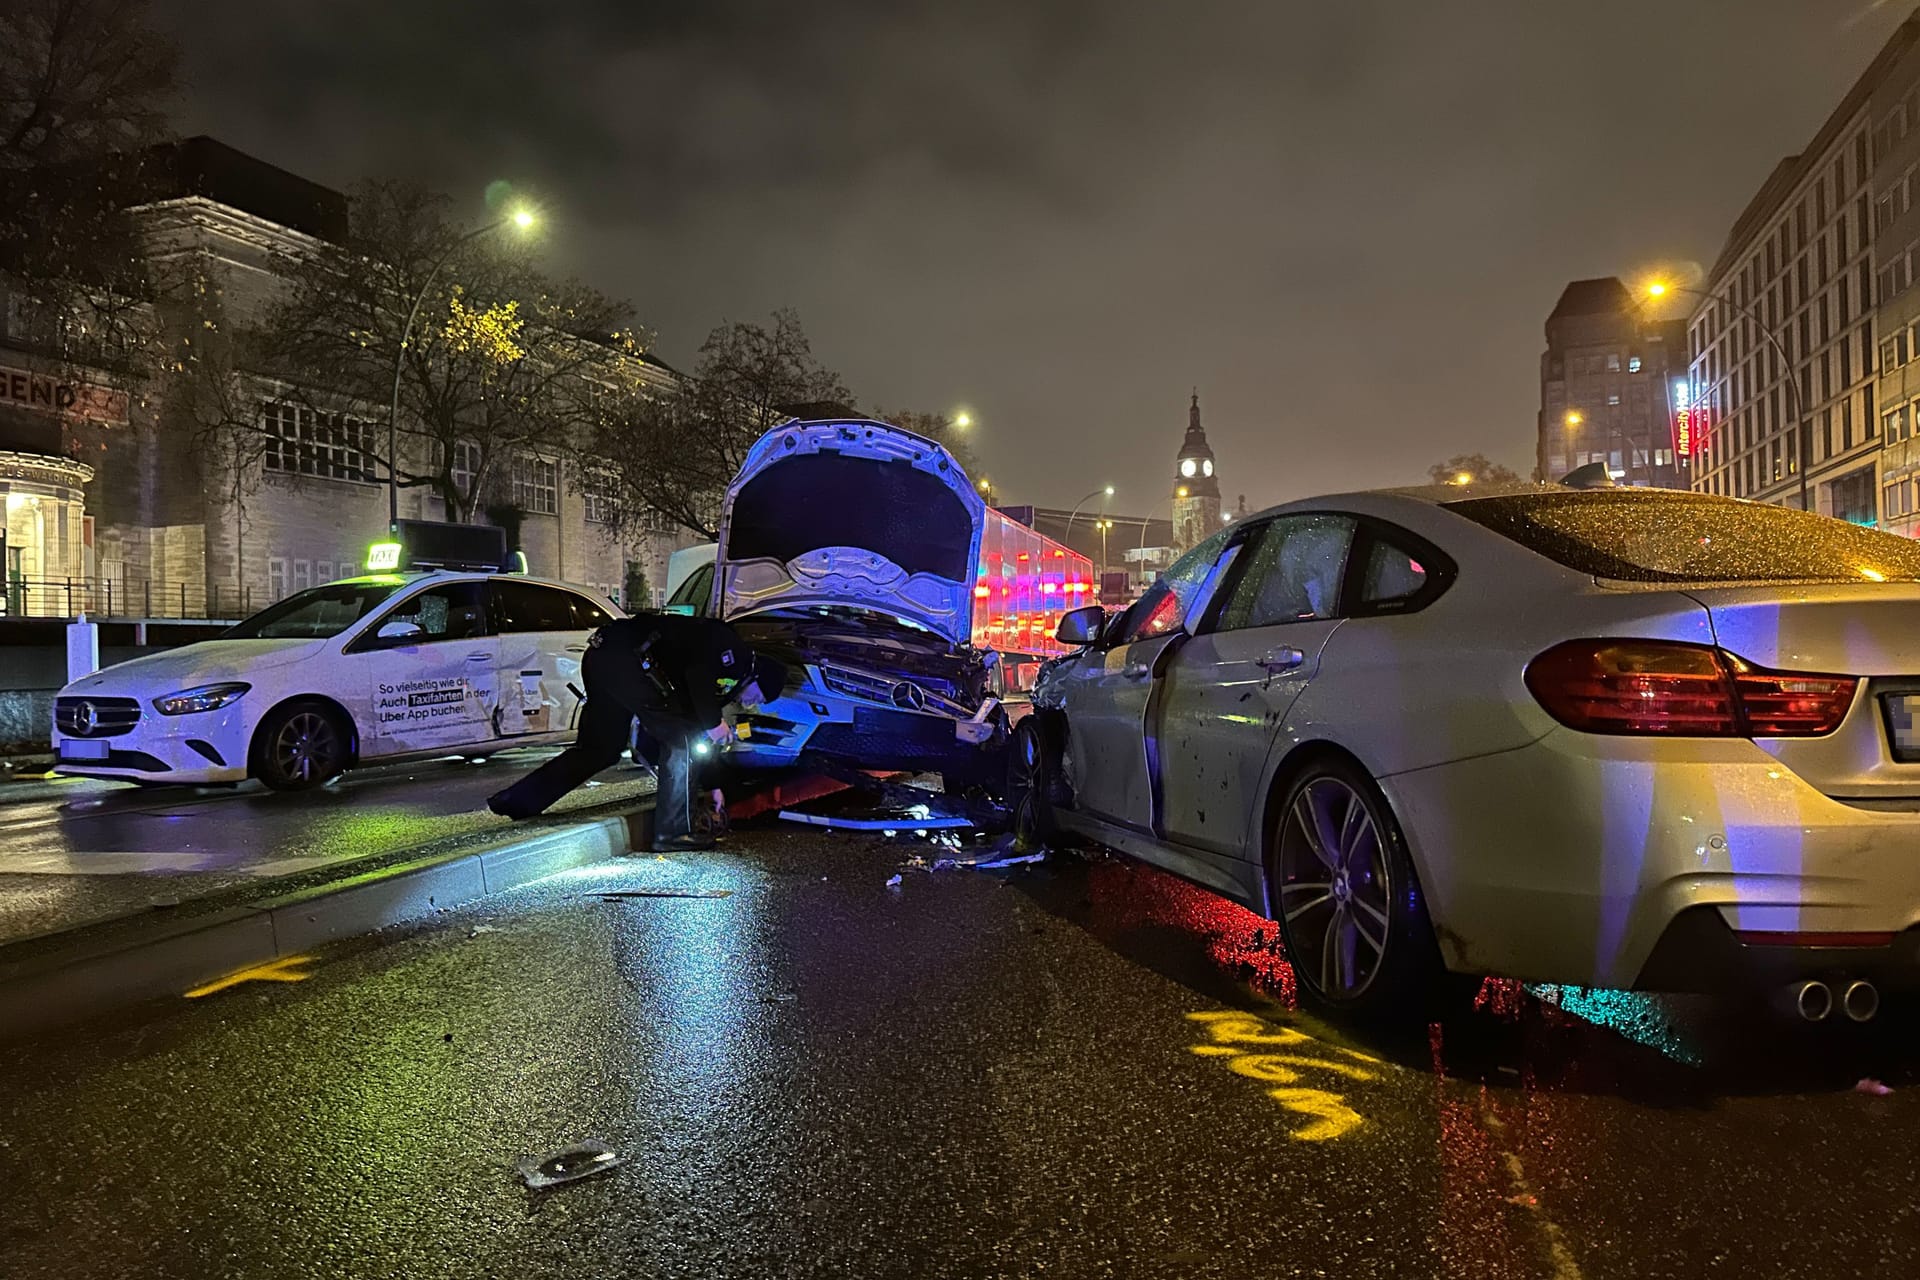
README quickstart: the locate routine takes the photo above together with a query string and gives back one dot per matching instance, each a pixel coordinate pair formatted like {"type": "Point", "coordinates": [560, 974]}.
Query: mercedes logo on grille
{"type": "Point", "coordinates": [86, 718]}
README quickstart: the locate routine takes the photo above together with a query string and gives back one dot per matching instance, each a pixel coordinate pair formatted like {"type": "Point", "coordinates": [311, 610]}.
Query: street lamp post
{"type": "Point", "coordinates": [1067, 537]}
{"type": "Point", "coordinates": [1804, 432]}
{"type": "Point", "coordinates": [519, 218]}
{"type": "Point", "coordinates": [1104, 526]}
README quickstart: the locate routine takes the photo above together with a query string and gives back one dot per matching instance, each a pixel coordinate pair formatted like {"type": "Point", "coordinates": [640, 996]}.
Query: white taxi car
{"type": "Point", "coordinates": [378, 667]}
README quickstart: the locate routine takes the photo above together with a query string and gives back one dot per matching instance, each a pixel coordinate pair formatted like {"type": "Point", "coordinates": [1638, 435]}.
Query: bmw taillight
{"type": "Point", "coordinates": [1682, 690]}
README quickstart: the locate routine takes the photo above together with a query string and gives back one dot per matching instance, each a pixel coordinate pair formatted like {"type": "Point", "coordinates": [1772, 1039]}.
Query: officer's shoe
{"type": "Point", "coordinates": [689, 843]}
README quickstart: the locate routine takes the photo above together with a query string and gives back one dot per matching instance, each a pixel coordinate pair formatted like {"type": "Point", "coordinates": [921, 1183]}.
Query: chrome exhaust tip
{"type": "Point", "coordinates": [1812, 1000]}
{"type": "Point", "coordinates": [1860, 1001]}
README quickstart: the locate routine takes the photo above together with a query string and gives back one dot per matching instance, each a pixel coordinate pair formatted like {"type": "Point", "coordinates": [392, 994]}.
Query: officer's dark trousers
{"type": "Point", "coordinates": [617, 693]}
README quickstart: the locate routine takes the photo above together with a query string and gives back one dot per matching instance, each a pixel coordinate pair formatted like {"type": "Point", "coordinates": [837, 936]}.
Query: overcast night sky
{"type": "Point", "coordinates": [1344, 221]}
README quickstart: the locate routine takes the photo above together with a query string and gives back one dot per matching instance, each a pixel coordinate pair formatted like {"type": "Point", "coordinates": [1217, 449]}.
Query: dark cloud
{"type": "Point", "coordinates": [1345, 222]}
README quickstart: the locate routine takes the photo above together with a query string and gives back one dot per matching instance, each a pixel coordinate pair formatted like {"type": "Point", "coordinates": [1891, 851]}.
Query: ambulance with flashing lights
{"type": "Point", "coordinates": [912, 617]}
{"type": "Point", "coordinates": [444, 654]}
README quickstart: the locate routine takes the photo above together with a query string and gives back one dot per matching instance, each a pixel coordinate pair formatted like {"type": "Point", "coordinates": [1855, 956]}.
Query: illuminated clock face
{"type": "Point", "coordinates": [1206, 468]}
{"type": "Point", "coordinates": [1187, 467]}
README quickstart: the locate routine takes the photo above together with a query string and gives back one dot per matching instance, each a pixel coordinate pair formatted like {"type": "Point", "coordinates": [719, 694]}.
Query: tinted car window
{"type": "Point", "coordinates": [456, 611]}
{"type": "Point", "coordinates": [1643, 537]}
{"type": "Point", "coordinates": [1166, 602]}
{"type": "Point", "coordinates": [527, 606]}
{"type": "Point", "coordinates": [587, 615]}
{"type": "Point", "coordinates": [314, 615]}
{"type": "Point", "coordinates": [1391, 574]}
{"type": "Point", "coordinates": [1293, 573]}
{"type": "Point", "coordinates": [695, 592]}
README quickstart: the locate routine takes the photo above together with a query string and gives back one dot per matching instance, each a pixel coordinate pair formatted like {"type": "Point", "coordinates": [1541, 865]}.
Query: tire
{"type": "Point", "coordinates": [1032, 776]}
{"type": "Point", "coordinates": [301, 745]}
{"type": "Point", "coordinates": [1345, 896]}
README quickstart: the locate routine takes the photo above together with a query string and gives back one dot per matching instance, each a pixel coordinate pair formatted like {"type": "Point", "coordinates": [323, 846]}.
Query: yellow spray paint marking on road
{"type": "Point", "coordinates": [280, 970]}
{"type": "Point", "coordinates": [1241, 1038]}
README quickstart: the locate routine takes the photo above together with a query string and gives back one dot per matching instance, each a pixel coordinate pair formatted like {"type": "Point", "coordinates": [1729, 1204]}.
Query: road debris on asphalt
{"type": "Point", "coordinates": [894, 883]}
{"type": "Point", "coordinates": [585, 1159]}
{"type": "Point", "coordinates": [1873, 1088]}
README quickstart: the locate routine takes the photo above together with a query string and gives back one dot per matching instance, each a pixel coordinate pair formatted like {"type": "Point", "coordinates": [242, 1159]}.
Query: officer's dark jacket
{"type": "Point", "coordinates": [687, 656]}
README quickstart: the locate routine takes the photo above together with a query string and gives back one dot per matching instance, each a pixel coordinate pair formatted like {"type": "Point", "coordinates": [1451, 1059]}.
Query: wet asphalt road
{"type": "Point", "coordinates": [1083, 1069]}
{"type": "Point", "coordinates": [76, 851]}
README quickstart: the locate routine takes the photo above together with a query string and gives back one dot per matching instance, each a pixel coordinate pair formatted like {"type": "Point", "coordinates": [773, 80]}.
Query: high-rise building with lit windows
{"type": "Point", "coordinates": [1783, 330]}
{"type": "Point", "coordinates": [1607, 387]}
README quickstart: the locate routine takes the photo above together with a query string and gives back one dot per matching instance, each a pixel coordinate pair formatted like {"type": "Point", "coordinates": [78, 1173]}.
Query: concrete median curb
{"type": "Point", "coordinates": [92, 974]}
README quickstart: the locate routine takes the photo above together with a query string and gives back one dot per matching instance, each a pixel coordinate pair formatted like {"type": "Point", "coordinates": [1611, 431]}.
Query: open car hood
{"type": "Point", "coordinates": [854, 514]}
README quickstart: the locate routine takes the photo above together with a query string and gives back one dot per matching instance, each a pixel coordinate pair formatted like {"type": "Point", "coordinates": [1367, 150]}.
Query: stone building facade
{"type": "Point", "coordinates": [169, 531]}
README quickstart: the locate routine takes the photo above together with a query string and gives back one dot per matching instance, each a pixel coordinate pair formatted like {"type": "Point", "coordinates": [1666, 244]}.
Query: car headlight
{"type": "Point", "coordinates": [208, 697]}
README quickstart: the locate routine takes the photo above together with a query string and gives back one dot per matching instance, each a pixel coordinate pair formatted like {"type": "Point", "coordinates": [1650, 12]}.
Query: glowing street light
{"type": "Point", "coordinates": [521, 219]}
{"type": "Point", "coordinates": [1575, 417]}
{"type": "Point", "coordinates": [1465, 477]}
{"type": "Point", "coordinates": [1804, 428]}
{"type": "Point", "coordinates": [1067, 537]}
{"type": "Point", "coordinates": [963, 419]}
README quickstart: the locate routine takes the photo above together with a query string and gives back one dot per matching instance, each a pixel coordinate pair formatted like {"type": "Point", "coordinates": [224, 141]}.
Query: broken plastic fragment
{"type": "Point", "coordinates": [584, 1159]}
{"type": "Point", "coordinates": [1012, 860]}
{"type": "Point", "coordinates": [1873, 1087]}
{"type": "Point", "coordinates": [895, 882]}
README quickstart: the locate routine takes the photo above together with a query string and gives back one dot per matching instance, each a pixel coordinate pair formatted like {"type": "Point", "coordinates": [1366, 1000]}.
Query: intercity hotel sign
{"type": "Point", "coordinates": [23, 389]}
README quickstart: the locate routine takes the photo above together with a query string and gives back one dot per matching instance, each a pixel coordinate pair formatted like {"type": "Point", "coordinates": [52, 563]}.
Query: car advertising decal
{"type": "Point", "coordinates": [411, 705]}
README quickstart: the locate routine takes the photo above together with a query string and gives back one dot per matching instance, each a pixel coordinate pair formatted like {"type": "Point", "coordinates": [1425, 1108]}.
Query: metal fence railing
{"type": "Point", "coordinates": [123, 597]}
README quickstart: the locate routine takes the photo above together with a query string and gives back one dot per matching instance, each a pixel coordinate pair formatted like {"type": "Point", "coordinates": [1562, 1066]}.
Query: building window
{"type": "Point", "coordinates": [276, 578]}
{"type": "Point", "coordinates": [305, 442]}
{"type": "Point", "coordinates": [1896, 498]}
{"type": "Point", "coordinates": [1633, 364]}
{"type": "Point", "coordinates": [596, 492]}
{"type": "Point", "coordinates": [464, 466]}
{"type": "Point", "coordinates": [1613, 399]}
{"type": "Point", "coordinates": [1894, 423]}
{"type": "Point", "coordinates": [536, 485]}
{"type": "Point", "coordinates": [302, 574]}
{"type": "Point", "coordinates": [1853, 497]}
{"type": "Point", "coordinates": [1613, 362]}
{"type": "Point", "coordinates": [1663, 457]}
{"type": "Point", "coordinates": [652, 521]}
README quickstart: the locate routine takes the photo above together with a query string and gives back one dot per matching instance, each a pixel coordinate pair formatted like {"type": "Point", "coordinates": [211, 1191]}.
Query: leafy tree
{"type": "Point", "coordinates": [636, 592]}
{"type": "Point", "coordinates": [674, 452]}
{"type": "Point", "coordinates": [1475, 465]}
{"type": "Point", "coordinates": [84, 85]}
{"type": "Point", "coordinates": [80, 78]}
{"type": "Point", "coordinates": [499, 359]}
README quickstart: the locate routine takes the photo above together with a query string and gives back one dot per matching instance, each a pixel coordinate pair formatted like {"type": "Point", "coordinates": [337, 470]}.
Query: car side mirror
{"type": "Point", "coordinates": [398, 630]}
{"type": "Point", "coordinates": [1080, 627]}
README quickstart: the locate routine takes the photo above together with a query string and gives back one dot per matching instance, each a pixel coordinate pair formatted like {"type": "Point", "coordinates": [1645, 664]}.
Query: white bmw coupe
{"type": "Point", "coordinates": [1611, 737]}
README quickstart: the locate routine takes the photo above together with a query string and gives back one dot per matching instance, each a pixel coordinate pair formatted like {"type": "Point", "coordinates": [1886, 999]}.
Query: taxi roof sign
{"type": "Point", "coordinates": [428, 544]}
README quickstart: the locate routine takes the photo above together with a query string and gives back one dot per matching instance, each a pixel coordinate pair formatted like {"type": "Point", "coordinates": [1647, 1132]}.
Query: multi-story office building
{"type": "Point", "coordinates": [1783, 330]}
{"type": "Point", "coordinates": [1607, 381]}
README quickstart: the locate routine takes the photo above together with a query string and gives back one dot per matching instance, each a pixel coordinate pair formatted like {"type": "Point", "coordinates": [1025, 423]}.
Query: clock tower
{"type": "Point", "coordinates": [1196, 489]}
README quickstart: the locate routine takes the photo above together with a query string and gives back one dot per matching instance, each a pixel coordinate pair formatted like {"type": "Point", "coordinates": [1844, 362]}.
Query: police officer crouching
{"type": "Point", "coordinates": [674, 674]}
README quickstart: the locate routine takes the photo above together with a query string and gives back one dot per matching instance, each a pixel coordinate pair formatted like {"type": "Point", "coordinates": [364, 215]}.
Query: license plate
{"type": "Point", "coordinates": [74, 749]}
{"type": "Point", "coordinates": [1903, 724]}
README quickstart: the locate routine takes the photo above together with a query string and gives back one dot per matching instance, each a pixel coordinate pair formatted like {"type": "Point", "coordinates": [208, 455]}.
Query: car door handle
{"type": "Point", "coordinates": [1139, 671]}
{"type": "Point", "coordinates": [576, 648]}
{"type": "Point", "coordinates": [1285, 658]}
{"type": "Point", "coordinates": [479, 657]}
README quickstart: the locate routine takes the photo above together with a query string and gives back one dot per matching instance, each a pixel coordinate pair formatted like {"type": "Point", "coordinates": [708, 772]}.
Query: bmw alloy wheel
{"type": "Point", "coordinates": [1336, 889]}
